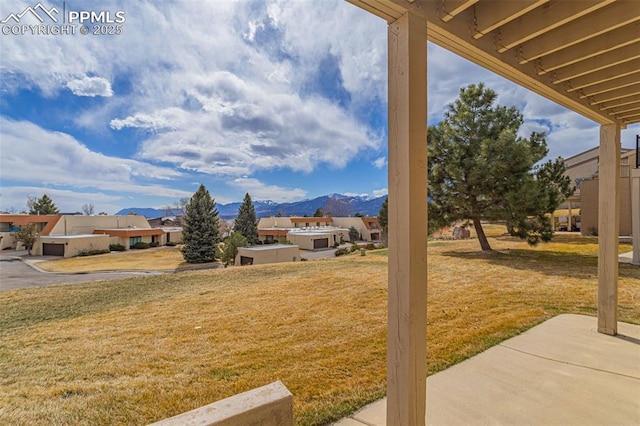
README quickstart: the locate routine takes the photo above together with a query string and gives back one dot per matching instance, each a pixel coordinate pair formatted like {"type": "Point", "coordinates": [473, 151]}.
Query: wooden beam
{"type": "Point", "coordinates": [406, 344]}
{"type": "Point", "coordinates": [543, 19]}
{"type": "Point", "coordinates": [607, 86]}
{"type": "Point", "coordinates": [451, 8]}
{"type": "Point", "coordinates": [604, 75]}
{"type": "Point", "coordinates": [490, 15]}
{"type": "Point", "coordinates": [616, 94]}
{"type": "Point", "coordinates": [608, 228]}
{"type": "Point", "coordinates": [603, 43]}
{"type": "Point", "coordinates": [597, 63]}
{"type": "Point", "coordinates": [626, 108]}
{"type": "Point", "coordinates": [631, 100]}
{"type": "Point", "coordinates": [609, 18]}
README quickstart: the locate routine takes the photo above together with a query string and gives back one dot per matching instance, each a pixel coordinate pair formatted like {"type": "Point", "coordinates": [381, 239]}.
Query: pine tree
{"type": "Point", "coordinates": [383, 217]}
{"type": "Point", "coordinates": [42, 205]}
{"type": "Point", "coordinates": [200, 228]}
{"type": "Point", "coordinates": [479, 169]}
{"type": "Point", "coordinates": [231, 244]}
{"type": "Point", "coordinates": [246, 223]}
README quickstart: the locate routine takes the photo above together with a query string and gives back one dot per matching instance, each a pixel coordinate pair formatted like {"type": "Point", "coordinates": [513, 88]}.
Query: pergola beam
{"type": "Point", "coordinates": [604, 75]}
{"type": "Point", "coordinates": [603, 43]}
{"type": "Point", "coordinates": [489, 16]}
{"type": "Point", "coordinates": [544, 19]}
{"type": "Point", "coordinates": [614, 16]}
{"type": "Point", "coordinates": [596, 63]}
{"type": "Point", "coordinates": [451, 8]}
{"type": "Point", "coordinates": [617, 94]}
{"type": "Point", "coordinates": [607, 86]}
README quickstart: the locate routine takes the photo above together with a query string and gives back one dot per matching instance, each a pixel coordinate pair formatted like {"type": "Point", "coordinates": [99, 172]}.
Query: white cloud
{"type": "Point", "coordinates": [263, 192]}
{"type": "Point", "coordinates": [380, 162]}
{"type": "Point", "coordinates": [58, 159]}
{"type": "Point", "coordinates": [380, 192]}
{"type": "Point", "coordinates": [90, 86]}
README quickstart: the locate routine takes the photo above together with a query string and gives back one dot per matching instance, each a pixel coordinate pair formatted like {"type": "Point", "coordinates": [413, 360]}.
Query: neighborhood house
{"type": "Point", "coordinates": [70, 235]}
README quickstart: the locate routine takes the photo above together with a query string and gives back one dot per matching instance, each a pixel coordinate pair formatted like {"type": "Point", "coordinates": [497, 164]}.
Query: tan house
{"type": "Point", "coordinates": [69, 235]}
{"type": "Point", "coordinates": [316, 233]}
{"type": "Point", "coordinates": [582, 207]}
{"type": "Point", "coordinates": [271, 253]}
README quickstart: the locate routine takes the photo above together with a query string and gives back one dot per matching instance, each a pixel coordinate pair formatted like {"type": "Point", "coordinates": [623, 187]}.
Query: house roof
{"type": "Point", "coordinates": [49, 220]}
{"type": "Point", "coordinates": [130, 232]}
{"type": "Point", "coordinates": [324, 219]}
{"type": "Point", "coordinates": [584, 55]}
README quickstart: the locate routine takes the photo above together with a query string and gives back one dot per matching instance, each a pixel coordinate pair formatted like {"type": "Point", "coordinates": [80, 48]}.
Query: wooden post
{"type": "Point", "coordinates": [406, 344]}
{"type": "Point", "coordinates": [608, 228]}
{"type": "Point", "coordinates": [635, 214]}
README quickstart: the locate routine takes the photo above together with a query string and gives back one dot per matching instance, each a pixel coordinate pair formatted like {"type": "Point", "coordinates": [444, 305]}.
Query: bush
{"type": "Point", "coordinates": [171, 244]}
{"type": "Point", "coordinates": [83, 253]}
{"type": "Point", "coordinates": [117, 247]}
{"type": "Point", "coordinates": [141, 245]}
{"type": "Point", "coordinates": [354, 247]}
{"type": "Point", "coordinates": [154, 244]}
{"type": "Point", "coordinates": [342, 252]}
{"type": "Point", "coordinates": [370, 246]}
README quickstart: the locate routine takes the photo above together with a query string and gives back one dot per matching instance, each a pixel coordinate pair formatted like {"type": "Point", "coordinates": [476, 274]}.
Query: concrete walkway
{"type": "Point", "coordinates": [562, 372]}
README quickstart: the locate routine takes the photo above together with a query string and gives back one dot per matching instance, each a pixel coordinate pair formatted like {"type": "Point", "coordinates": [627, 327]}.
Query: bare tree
{"type": "Point", "coordinates": [179, 208]}
{"type": "Point", "coordinates": [88, 209]}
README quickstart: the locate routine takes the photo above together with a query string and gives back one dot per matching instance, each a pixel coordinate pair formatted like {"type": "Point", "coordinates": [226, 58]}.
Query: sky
{"type": "Point", "coordinates": [283, 99]}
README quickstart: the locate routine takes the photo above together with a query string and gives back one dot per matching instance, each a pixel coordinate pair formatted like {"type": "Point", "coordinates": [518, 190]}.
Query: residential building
{"type": "Point", "coordinates": [582, 206]}
{"type": "Point", "coordinates": [69, 235]}
{"type": "Point", "coordinates": [315, 233]}
{"type": "Point", "coordinates": [271, 253]}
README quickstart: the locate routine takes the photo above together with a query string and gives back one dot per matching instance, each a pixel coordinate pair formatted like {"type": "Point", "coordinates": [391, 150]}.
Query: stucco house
{"type": "Point", "coordinates": [316, 233]}
{"type": "Point", "coordinates": [582, 206]}
{"type": "Point", "coordinates": [69, 235]}
{"type": "Point", "coordinates": [271, 253]}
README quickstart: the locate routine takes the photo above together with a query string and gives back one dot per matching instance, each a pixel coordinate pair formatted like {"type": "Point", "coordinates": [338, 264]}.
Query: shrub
{"type": "Point", "coordinates": [154, 244]}
{"type": "Point", "coordinates": [370, 246]}
{"type": "Point", "coordinates": [117, 247]}
{"type": "Point", "coordinates": [354, 247]}
{"type": "Point", "coordinates": [93, 252]}
{"type": "Point", "coordinates": [171, 243]}
{"type": "Point", "coordinates": [141, 245]}
{"type": "Point", "coordinates": [342, 252]}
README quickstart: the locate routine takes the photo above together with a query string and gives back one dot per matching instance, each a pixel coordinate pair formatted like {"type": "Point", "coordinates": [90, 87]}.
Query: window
{"type": "Point", "coordinates": [134, 240]}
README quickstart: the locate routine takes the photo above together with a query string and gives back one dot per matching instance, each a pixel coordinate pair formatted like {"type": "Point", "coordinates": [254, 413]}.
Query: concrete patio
{"type": "Point", "coordinates": [562, 372]}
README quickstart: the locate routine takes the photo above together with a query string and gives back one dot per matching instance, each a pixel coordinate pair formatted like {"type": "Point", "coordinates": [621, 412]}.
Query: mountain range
{"type": "Point", "coordinates": [336, 204]}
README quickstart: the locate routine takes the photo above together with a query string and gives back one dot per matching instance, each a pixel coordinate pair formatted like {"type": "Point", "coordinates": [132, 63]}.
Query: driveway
{"type": "Point", "coordinates": [16, 274]}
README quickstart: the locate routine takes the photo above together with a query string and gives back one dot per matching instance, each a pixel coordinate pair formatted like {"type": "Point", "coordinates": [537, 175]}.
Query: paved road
{"type": "Point", "coordinates": [16, 274]}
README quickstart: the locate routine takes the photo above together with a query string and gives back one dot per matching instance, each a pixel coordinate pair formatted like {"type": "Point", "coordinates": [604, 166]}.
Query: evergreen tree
{"type": "Point", "coordinates": [246, 223]}
{"type": "Point", "coordinates": [354, 235]}
{"type": "Point", "coordinates": [319, 212]}
{"type": "Point", "coordinates": [200, 228]}
{"type": "Point", "coordinates": [383, 217]}
{"type": "Point", "coordinates": [43, 205]}
{"type": "Point", "coordinates": [479, 169]}
{"type": "Point", "coordinates": [231, 244]}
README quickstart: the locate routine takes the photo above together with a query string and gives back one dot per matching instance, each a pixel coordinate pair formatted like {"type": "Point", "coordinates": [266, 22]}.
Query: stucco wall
{"type": "Point", "coordinates": [269, 254]}
{"type": "Point", "coordinates": [73, 245]}
{"type": "Point", "coordinates": [589, 206]}
{"type": "Point", "coordinates": [78, 225]}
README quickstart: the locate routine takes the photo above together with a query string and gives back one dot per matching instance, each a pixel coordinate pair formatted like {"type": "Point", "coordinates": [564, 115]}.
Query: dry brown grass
{"type": "Point", "coordinates": [138, 350]}
{"type": "Point", "coordinates": [153, 259]}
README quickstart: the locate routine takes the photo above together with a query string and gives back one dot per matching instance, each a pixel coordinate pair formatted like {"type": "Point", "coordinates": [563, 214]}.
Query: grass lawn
{"type": "Point", "coordinates": [138, 350]}
{"type": "Point", "coordinates": [153, 259]}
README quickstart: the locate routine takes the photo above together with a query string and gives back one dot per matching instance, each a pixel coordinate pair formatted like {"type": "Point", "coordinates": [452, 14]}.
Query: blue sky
{"type": "Point", "coordinates": [285, 100]}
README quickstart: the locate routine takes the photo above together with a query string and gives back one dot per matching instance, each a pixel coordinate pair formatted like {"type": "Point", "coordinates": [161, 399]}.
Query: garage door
{"type": "Point", "coordinates": [49, 249]}
{"type": "Point", "coordinates": [321, 243]}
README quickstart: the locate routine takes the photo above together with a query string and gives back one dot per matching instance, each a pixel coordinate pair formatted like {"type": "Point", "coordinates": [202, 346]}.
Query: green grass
{"type": "Point", "coordinates": [138, 350]}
